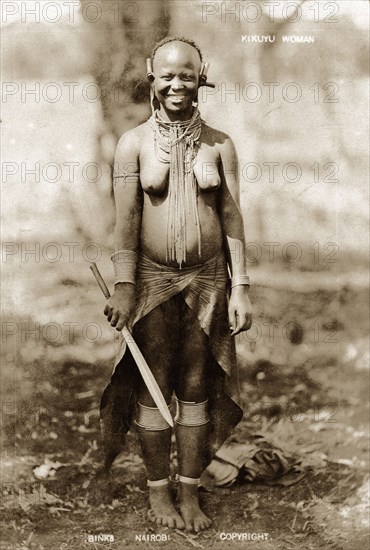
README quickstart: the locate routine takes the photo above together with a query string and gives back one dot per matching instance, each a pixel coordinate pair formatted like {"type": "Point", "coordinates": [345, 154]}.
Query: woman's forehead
{"type": "Point", "coordinates": [176, 54]}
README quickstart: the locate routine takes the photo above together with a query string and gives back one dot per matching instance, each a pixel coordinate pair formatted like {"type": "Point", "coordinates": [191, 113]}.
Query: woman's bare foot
{"type": "Point", "coordinates": [194, 518]}
{"type": "Point", "coordinates": [162, 510]}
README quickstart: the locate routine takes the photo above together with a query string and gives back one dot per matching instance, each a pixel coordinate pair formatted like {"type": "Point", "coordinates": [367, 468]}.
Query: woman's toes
{"type": "Point", "coordinates": [208, 522]}
{"type": "Point", "coordinates": [188, 526]}
{"type": "Point", "coordinates": [170, 523]}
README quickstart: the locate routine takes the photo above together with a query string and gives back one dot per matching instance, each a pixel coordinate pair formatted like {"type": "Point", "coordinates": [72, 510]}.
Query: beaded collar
{"type": "Point", "coordinates": [177, 144]}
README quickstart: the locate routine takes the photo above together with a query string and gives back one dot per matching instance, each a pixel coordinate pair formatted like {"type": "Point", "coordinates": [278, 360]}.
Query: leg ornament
{"type": "Point", "coordinates": [188, 480]}
{"type": "Point", "coordinates": [157, 482]}
{"type": "Point", "coordinates": [150, 418]}
{"type": "Point", "coordinates": [191, 414]}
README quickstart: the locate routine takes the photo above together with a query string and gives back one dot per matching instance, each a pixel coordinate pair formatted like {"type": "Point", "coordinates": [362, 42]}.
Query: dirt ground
{"type": "Point", "coordinates": [305, 388]}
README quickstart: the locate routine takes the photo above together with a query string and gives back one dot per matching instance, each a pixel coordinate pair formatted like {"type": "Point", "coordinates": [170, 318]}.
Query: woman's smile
{"type": "Point", "coordinates": [176, 98]}
{"type": "Point", "coordinates": [176, 80]}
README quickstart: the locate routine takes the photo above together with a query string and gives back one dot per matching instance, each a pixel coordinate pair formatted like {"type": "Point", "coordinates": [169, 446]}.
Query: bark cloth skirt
{"type": "Point", "coordinates": [203, 288]}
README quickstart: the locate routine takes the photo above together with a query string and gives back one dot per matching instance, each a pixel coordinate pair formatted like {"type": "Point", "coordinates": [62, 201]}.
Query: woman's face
{"type": "Point", "coordinates": [176, 69]}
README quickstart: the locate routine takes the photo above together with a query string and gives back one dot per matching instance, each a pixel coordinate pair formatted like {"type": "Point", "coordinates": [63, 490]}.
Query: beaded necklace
{"type": "Point", "coordinates": [177, 144]}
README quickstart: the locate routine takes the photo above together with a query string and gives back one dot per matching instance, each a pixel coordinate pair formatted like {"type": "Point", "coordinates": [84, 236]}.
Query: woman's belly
{"type": "Point", "coordinates": [153, 241]}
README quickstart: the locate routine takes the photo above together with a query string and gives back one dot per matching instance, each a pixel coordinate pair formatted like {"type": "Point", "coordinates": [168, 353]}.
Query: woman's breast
{"type": "Point", "coordinates": [207, 174]}
{"type": "Point", "coordinates": [155, 181]}
{"type": "Point", "coordinates": [154, 175]}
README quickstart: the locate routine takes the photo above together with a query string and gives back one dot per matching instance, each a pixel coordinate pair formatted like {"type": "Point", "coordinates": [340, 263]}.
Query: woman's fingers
{"type": "Point", "coordinates": [243, 322]}
{"type": "Point", "coordinates": [110, 314]}
{"type": "Point", "coordinates": [121, 323]}
{"type": "Point", "coordinates": [114, 319]}
{"type": "Point", "coordinates": [234, 321]}
{"type": "Point", "coordinates": [238, 327]}
{"type": "Point", "coordinates": [248, 321]}
{"type": "Point", "coordinates": [232, 318]}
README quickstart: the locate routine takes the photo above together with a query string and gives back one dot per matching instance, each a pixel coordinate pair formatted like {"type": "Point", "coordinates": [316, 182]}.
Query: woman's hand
{"type": "Point", "coordinates": [119, 307]}
{"type": "Point", "coordinates": [240, 310]}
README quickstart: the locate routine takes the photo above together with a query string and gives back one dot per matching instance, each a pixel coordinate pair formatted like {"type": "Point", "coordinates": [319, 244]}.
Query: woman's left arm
{"type": "Point", "coordinates": [240, 308]}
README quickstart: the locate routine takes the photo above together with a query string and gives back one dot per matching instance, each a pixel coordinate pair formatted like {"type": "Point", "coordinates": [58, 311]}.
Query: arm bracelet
{"type": "Point", "coordinates": [124, 263]}
{"type": "Point", "coordinates": [125, 175]}
{"type": "Point", "coordinates": [240, 280]}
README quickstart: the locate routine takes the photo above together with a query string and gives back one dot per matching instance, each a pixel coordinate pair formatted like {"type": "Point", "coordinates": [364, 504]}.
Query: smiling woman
{"type": "Point", "coordinates": [178, 230]}
{"type": "Point", "coordinates": [176, 78]}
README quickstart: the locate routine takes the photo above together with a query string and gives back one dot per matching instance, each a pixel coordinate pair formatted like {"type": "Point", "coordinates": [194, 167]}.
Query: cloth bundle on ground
{"type": "Point", "coordinates": [252, 460]}
{"type": "Point", "coordinates": [203, 288]}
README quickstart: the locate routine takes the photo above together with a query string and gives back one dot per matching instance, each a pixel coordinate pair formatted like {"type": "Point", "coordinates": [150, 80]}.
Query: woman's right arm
{"type": "Point", "coordinates": [129, 201]}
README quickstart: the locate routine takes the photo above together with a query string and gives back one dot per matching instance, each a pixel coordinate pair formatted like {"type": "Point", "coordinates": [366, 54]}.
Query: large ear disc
{"type": "Point", "coordinates": [203, 76]}
{"type": "Point", "coordinates": [154, 105]}
{"type": "Point", "coordinates": [204, 70]}
{"type": "Point", "coordinates": [149, 70]}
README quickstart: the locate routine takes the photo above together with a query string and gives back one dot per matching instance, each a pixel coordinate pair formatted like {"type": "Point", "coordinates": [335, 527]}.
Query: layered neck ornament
{"type": "Point", "coordinates": [177, 144]}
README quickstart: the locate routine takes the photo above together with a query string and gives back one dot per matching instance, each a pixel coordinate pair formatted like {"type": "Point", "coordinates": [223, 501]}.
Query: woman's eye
{"type": "Point", "coordinates": [185, 78]}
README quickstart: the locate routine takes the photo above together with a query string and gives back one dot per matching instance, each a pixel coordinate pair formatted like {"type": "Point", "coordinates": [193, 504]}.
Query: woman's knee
{"type": "Point", "coordinates": [191, 386]}
{"type": "Point", "coordinates": [145, 397]}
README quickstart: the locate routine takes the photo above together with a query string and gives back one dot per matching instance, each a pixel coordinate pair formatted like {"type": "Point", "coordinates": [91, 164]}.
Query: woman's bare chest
{"type": "Point", "coordinates": [154, 174]}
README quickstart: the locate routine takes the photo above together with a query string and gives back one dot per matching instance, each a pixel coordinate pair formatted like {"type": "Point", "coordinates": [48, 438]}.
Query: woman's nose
{"type": "Point", "coordinates": [176, 84]}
